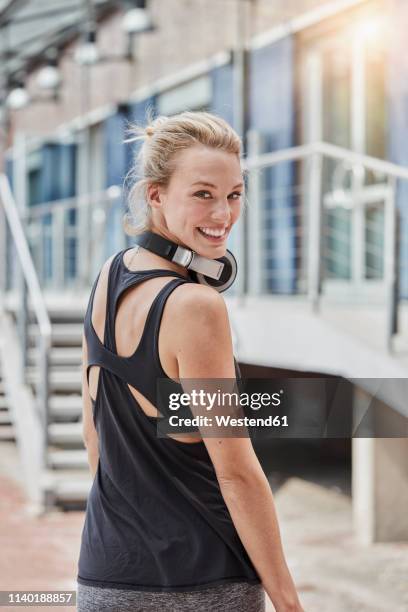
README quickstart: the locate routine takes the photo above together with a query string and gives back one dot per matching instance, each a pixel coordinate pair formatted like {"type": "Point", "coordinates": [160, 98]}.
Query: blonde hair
{"type": "Point", "coordinates": [155, 161]}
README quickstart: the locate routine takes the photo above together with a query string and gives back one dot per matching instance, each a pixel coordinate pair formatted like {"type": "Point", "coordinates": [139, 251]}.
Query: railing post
{"type": "Point", "coordinates": [315, 228]}
{"type": "Point", "coordinates": [391, 258]}
{"type": "Point", "coordinates": [22, 321]}
{"type": "Point", "coordinates": [256, 226]}
{"type": "Point", "coordinates": [20, 182]}
{"type": "Point", "coordinates": [43, 392]}
{"type": "Point", "coordinates": [58, 247]}
{"type": "Point", "coordinates": [3, 255]}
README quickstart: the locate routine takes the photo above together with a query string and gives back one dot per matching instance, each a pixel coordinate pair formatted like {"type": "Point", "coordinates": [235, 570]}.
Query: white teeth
{"type": "Point", "coordinates": [212, 232]}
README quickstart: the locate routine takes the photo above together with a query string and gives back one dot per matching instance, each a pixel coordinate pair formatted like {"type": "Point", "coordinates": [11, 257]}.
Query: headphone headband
{"type": "Point", "coordinates": [217, 273]}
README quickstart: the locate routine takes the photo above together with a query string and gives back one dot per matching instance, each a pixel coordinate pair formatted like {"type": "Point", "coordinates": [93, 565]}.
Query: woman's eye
{"type": "Point", "coordinates": [200, 193]}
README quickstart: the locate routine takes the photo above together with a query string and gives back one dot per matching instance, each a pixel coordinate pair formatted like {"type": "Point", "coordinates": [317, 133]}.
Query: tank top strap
{"type": "Point", "coordinates": [89, 329]}
{"type": "Point", "coordinates": [120, 278]}
{"type": "Point", "coordinates": [115, 286]}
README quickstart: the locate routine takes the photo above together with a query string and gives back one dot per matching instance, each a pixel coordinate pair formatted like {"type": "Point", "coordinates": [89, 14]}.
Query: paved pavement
{"type": "Point", "coordinates": [37, 552]}
{"type": "Point", "coordinates": [332, 572]}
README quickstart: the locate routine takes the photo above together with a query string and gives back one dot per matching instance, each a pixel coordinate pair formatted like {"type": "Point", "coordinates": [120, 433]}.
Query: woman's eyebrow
{"type": "Point", "coordinates": [215, 186]}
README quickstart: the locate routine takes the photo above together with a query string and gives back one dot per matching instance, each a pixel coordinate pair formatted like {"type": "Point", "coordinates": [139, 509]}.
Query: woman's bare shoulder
{"type": "Point", "coordinates": [197, 299]}
{"type": "Point", "coordinates": [104, 270]}
{"type": "Point", "coordinates": [198, 310]}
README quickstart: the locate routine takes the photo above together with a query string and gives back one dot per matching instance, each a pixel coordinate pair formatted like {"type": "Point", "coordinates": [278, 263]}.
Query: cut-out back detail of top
{"type": "Point", "coordinates": [155, 518]}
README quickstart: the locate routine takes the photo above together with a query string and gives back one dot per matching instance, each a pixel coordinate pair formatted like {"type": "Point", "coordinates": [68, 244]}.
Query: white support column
{"type": "Point", "coordinates": [314, 167]}
{"type": "Point", "coordinates": [243, 33]}
{"type": "Point", "coordinates": [358, 144]}
{"type": "Point", "coordinates": [379, 483]}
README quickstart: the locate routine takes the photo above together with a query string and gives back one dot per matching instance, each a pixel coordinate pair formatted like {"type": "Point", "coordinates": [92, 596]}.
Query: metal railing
{"type": "Point", "coordinates": [70, 239]}
{"type": "Point", "coordinates": [29, 288]}
{"type": "Point", "coordinates": [320, 216]}
{"type": "Point", "coordinates": [320, 219]}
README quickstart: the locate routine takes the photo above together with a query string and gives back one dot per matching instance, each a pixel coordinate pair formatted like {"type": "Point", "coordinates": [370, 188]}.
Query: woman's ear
{"type": "Point", "coordinates": [154, 194]}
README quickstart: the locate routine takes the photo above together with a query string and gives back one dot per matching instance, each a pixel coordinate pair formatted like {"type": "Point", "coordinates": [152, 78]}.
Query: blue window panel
{"type": "Point", "coordinates": [397, 145]}
{"type": "Point", "coordinates": [67, 181]}
{"type": "Point", "coordinates": [119, 159]}
{"type": "Point", "coordinates": [116, 162]}
{"type": "Point", "coordinates": [114, 133]}
{"type": "Point", "coordinates": [138, 114]}
{"type": "Point", "coordinates": [223, 92]}
{"type": "Point", "coordinates": [54, 179]}
{"type": "Point", "coordinates": [222, 104]}
{"type": "Point", "coordinates": [57, 172]}
{"type": "Point", "coordinates": [271, 112]}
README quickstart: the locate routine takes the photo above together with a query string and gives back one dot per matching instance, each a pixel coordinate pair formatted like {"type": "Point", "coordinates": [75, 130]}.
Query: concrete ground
{"type": "Point", "coordinates": [332, 572]}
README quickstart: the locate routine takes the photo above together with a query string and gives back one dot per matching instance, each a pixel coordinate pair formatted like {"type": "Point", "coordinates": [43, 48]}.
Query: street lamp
{"type": "Point", "coordinates": [48, 77]}
{"type": "Point", "coordinates": [137, 18]}
{"type": "Point", "coordinates": [18, 96]}
{"type": "Point", "coordinates": [87, 53]}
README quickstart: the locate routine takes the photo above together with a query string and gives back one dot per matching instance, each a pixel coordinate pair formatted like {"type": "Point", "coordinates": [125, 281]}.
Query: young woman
{"type": "Point", "coordinates": [177, 522]}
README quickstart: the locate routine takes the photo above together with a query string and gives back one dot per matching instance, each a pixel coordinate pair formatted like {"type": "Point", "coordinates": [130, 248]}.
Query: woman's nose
{"type": "Point", "coordinates": [222, 212]}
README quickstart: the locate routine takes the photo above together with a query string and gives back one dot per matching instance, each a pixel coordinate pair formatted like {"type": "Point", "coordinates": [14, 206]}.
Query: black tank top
{"type": "Point", "coordinates": [155, 517]}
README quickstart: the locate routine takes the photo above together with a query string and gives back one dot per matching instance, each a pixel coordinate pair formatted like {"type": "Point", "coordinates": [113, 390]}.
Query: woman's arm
{"type": "Point", "coordinates": [89, 433]}
{"type": "Point", "coordinates": [204, 351]}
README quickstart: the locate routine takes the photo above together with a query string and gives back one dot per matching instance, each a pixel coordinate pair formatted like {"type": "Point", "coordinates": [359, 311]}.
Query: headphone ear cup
{"type": "Point", "coordinates": [227, 277]}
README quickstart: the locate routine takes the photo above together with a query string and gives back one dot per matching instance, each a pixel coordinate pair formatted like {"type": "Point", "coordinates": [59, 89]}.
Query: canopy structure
{"type": "Point", "coordinates": [29, 27]}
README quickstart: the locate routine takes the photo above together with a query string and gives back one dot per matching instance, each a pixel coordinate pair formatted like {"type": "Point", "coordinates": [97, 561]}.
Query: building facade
{"type": "Point", "coordinates": [313, 71]}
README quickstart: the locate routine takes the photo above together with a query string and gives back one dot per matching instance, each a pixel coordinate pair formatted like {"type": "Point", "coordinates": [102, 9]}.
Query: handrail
{"type": "Point", "coordinates": [26, 261]}
{"type": "Point", "coordinates": [37, 300]}
{"type": "Point", "coordinates": [85, 199]}
{"type": "Point", "coordinates": [315, 152]}
{"type": "Point", "coordinates": [329, 150]}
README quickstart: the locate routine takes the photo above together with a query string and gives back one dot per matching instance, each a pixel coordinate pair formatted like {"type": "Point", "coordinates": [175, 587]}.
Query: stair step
{"type": "Point", "coordinates": [59, 356]}
{"type": "Point", "coordinates": [65, 406]}
{"type": "Point", "coordinates": [67, 380]}
{"type": "Point", "coordinates": [66, 433]}
{"type": "Point", "coordinates": [73, 491]}
{"type": "Point", "coordinates": [63, 334]}
{"type": "Point", "coordinates": [5, 418]}
{"type": "Point", "coordinates": [62, 308]}
{"type": "Point", "coordinates": [67, 486]}
{"type": "Point", "coordinates": [3, 402]}
{"type": "Point", "coordinates": [7, 432]}
{"type": "Point", "coordinates": [62, 459]}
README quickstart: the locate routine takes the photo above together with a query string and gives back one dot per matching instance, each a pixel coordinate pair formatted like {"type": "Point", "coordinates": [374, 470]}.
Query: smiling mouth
{"type": "Point", "coordinates": [214, 237]}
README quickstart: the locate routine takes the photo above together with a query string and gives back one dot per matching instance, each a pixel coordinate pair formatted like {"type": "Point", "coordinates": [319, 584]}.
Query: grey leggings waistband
{"type": "Point", "coordinates": [229, 597]}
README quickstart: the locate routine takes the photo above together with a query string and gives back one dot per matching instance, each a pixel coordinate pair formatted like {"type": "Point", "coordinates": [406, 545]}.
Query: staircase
{"type": "Point", "coordinates": [7, 430]}
{"type": "Point", "coordinates": [67, 479]}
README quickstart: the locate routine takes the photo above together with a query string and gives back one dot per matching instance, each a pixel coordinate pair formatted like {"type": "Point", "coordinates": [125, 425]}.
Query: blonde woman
{"type": "Point", "coordinates": [180, 522]}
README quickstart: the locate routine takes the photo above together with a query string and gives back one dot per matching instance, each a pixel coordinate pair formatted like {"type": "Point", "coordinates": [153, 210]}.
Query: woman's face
{"type": "Point", "coordinates": [203, 197]}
